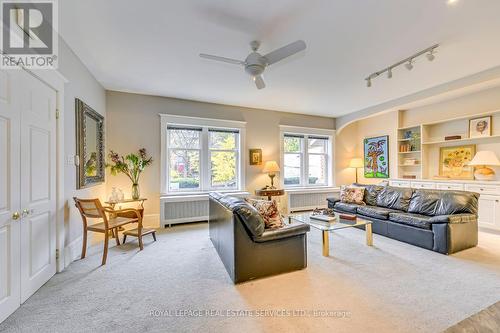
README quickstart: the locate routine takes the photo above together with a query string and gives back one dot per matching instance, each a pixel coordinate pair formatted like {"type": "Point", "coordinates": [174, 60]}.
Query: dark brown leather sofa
{"type": "Point", "coordinates": [247, 250]}
{"type": "Point", "coordinates": [441, 221]}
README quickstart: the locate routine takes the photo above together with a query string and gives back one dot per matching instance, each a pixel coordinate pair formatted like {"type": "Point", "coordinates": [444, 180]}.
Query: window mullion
{"type": "Point", "coordinates": [305, 169]}
{"type": "Point", "coordinates": [205, 161]}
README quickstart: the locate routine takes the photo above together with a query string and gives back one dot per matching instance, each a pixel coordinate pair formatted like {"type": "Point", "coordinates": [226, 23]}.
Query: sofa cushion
{"type": "Point", "coordinates": [269, 212]}
{"type": "Point", "coordinates": [289, 230]}
{"type": "Point", "coordinates": [457, 202]}
{"type": "Point", "coordinates": [251, 218]}
{"type": "Point", "coordinates": [397, 198]}
{"type": "Point", "coordinates": [371, 193]}
{"type": "Point", "coordinates": [425, 202]}
{"type": "Point", "coordinates": [375, 212]}
{"type": "Point", "coordinates": [345, 207]}
{"type": "Point", "coordinates": [352, 195]}
{"type": "Point", "coordinates": [415, 220]}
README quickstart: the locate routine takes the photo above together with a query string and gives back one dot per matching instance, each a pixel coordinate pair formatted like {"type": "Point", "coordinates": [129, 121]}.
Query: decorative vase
{"type": "Point", "coordinates": [136, 194]}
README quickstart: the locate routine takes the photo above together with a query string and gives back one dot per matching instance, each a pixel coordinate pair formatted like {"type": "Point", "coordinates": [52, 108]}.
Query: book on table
{"type": "Point", "coordinates": [324, 218]}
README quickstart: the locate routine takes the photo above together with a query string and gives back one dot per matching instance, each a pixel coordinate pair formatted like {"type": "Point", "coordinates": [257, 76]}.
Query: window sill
{"type": "Point", "coordinates": [312, 189]}
{"type": "Point", "coordinates": [186, 196]}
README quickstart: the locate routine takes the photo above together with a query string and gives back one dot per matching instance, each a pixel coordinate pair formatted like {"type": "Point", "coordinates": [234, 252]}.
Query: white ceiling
{"type": "Point", "coordinates": [152, 47]}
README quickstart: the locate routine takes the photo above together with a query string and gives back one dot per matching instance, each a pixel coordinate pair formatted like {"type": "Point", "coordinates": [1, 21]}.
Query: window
{"type": "Point", "coordinates": [306, 160]}
{"type": "Point", "coordinates": [200, 158]}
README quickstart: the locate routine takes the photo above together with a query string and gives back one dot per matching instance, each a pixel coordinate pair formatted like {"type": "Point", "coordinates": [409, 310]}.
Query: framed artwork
{"type": "Point", "coordinates": [255, 156]}
{"type": "Point", "coordinates": [453, 162]}
{"type": "Point", "coordinates": [480, 127]}
{"type": "Point", "coordinates": [376, 157]}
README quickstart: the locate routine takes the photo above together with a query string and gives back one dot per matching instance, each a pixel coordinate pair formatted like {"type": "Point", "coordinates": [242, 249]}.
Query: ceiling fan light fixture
{"type": "Point", "coordinates": [409, 65]}
{"type": "Point", "coordinates": [430, 56]}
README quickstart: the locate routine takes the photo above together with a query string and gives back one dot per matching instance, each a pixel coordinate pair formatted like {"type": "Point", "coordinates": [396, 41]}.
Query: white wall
{"type": "Point", "coordinates": [134, 122]}
{"type": "Point", "coordinates": [81, 84]}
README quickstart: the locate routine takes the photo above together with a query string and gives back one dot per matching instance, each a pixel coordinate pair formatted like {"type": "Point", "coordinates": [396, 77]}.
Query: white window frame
{"type": "Point", "coordinates": [205, 124]}
{"type": "Point", "coordinates": [306, 132]}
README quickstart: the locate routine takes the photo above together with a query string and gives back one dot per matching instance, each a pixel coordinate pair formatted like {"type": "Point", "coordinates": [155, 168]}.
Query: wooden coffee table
{"type": "Point", "coordinates": [339, 224]}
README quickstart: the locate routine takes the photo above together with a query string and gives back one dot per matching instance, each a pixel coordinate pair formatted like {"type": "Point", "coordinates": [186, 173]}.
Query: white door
{"type": "Point", "coordinates": [38, 184]}
{"type": "Point", "coordinates": [9, 196]}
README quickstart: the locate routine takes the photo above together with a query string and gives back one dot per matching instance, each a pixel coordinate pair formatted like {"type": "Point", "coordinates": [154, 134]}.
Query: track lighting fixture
{"type": "Point", "coordinates": [408, 63]}
{"type": "Point", "coordinates": [430, 56]}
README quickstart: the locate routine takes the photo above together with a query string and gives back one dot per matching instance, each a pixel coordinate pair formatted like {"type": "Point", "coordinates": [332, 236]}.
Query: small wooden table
{"type": "Point", "coordinates": [270, 193]}
{"type": "Point", "coordinates": [133, 232]}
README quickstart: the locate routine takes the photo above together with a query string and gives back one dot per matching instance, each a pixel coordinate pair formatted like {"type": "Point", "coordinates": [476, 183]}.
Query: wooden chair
{"type": "Point", "coordinates": [92, 208]}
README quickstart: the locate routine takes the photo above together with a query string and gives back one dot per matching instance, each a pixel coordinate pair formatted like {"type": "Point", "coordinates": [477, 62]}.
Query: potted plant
{"type": "Point", "coordinates": [132, 165]}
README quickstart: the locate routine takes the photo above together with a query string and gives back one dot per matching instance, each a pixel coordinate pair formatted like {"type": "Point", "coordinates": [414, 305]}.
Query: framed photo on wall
{"type": "Point", "coordinates": [480, 127]}
{"type": "Point", "coordinates": [255, 156]}
{"type": "Point", "coordinates": [376, 157]}
{"type": "Point", "coordinates": [453, 162]}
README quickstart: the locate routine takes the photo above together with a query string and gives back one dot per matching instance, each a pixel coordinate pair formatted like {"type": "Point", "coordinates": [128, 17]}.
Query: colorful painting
{"type": "Point", "coordinates": [453, 162]}
{"type": "Point", "coordinates": [376, 153]}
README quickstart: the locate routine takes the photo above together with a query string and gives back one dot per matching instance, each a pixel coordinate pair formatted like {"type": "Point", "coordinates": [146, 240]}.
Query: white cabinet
{"type": "Point", "coordinates": [399, 183]}
{"type": "Point", "coordinates": [450, 186]}
{"type": "Point", "coordinates": [424, 185]}
{"type": "Point", "coordinates": [489, 211]}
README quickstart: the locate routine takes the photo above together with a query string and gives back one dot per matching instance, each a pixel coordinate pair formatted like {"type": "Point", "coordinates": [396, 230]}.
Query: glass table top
{"type": "Point", "coordinates": [328, 226]}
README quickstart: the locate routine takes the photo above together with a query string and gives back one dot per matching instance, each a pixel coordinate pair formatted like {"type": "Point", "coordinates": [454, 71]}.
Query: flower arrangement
{"type": "Point", "coordinates": [132, 165]}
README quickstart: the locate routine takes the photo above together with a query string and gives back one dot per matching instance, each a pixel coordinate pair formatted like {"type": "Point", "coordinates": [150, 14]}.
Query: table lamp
{"type": "Point", "coordinates": [271, 167]}
{"type": "Point", "coordinates": [356, 163]}
{"type": "Point", "coordinates": [482, 160]}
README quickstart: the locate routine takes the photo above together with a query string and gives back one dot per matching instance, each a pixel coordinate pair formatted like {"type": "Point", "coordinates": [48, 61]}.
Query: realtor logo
{"type": "Point", "coordinates": [29, 34]}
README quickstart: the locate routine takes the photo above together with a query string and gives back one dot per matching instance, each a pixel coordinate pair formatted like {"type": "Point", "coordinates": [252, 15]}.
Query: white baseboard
{"type": "Point", "coordinates": [73, 251]}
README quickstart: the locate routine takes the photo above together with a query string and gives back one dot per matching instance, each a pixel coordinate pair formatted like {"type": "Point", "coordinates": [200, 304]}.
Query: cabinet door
{"type": "Point", "coordinates": [38, 184]}
{"type": "Point", "coordinates": [489, 212]}
{"type": "Point", "coordinates": [9, 196]}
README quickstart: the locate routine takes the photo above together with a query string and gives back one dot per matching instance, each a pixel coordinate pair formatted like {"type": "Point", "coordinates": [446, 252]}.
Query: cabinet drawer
{"type": "Point", "coordinates": [483, 189]}
{"type": "Point", "coordinates": [399, 183]}
{"type": "Point", "coordinates": [424, 185]}
{"type": "Point", "coordinates": [450, 187]}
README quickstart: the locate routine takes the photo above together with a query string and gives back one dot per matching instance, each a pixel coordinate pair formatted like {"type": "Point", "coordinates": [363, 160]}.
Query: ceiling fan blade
{"type": "Point", "coordinates": [259, 82]}
{"type": "Point", "coordinates": [285, 51]}
{"type": "Point", "coordinates": [223, 59]}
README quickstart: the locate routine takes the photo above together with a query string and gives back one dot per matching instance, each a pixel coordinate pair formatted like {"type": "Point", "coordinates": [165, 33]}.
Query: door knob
{"type": "Point", "coordinates": [16, 216]}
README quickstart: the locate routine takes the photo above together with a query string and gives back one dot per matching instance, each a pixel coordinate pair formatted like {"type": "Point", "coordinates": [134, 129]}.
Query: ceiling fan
{"type": "Point", "coordinates": [255, 63]}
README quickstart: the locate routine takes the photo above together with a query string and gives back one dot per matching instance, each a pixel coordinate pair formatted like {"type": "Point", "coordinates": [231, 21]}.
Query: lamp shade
{"type": "Point", "coordinates": [485, 157]}
{"type": "Point", "coordinates": [356, 163]}
{"type": "Point", "coordinates": [271, 166]}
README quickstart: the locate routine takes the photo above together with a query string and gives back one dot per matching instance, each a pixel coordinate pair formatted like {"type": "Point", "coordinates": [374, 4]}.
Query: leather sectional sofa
{"type": "Point", "coordinates": [441, 221]}
{"type": "Point", "coordinates": [246, 248]}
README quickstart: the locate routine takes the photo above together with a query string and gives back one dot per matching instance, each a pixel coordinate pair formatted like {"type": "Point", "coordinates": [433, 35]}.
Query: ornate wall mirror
{"type": "Point", "coordinates": [89, 146]}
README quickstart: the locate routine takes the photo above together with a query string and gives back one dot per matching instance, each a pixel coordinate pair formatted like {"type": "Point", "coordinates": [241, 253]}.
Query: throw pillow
{"type": "Point", "coordinates": [269, 212]}
{"type": "Point", "coordinates": [352, 195]}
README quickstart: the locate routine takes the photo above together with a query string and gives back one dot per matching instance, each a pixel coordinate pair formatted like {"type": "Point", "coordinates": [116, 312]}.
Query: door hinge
{"type": "Point", "coordinates": [57, 254]}
{"type": "Point", "coordinates": [57, 113]}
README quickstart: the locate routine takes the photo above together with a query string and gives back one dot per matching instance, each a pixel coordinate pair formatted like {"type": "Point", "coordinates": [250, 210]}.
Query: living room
{"type": "Point", "coordinates": [231, 166]}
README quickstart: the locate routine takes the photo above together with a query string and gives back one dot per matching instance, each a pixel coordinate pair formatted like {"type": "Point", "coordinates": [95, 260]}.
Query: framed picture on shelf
{"type": "Point", "coordinates": [480, 127]}
{"type": "Point", "coordinates": [453, 162]}
{"type": "Point", "coordinates": [255, 156]}
{"type": "Point", "coordinates": [376, 157]}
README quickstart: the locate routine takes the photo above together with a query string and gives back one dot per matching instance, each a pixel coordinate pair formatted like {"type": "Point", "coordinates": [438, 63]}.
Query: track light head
{"type": "Point", "coordinates": [369, 82]}
{"type": "Point", "coordinates": [430, 56]}
{"type": "Point", "coordinates": [389, 73]}
{"type": "Point", "coordinates": [409, 65]}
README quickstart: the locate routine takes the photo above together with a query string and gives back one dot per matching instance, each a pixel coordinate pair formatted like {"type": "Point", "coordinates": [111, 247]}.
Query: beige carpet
{"type": "Point", "coordinates": [178, 284]}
